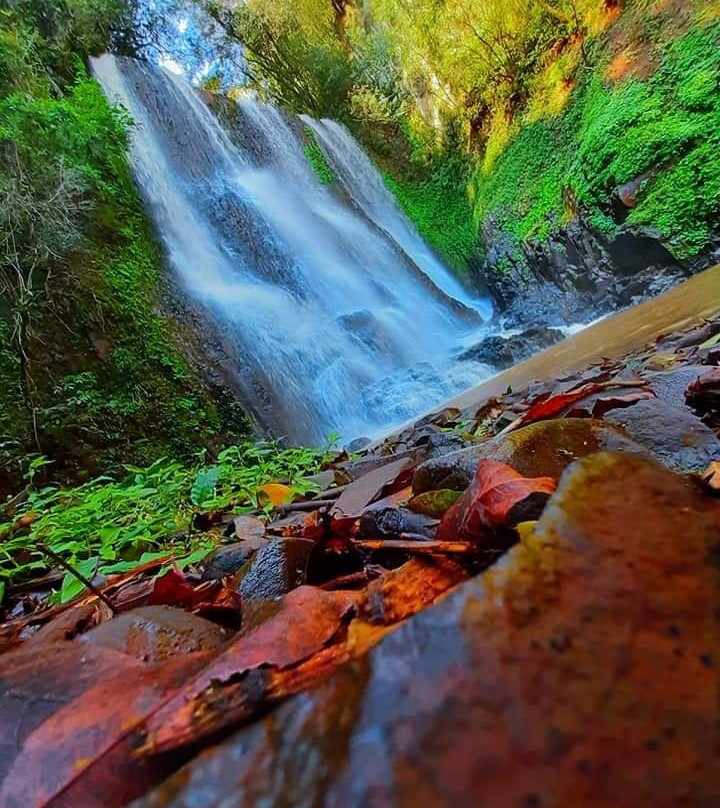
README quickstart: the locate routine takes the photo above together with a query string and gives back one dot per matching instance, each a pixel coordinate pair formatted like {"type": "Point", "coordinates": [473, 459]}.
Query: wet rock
{"type": "Point", "coordinates": [436, 444]}
{"type": "Point", "coordinates": [393, 522]}
{"type": "Point", "coordinates": [358, 444]}
{"type": "Point", "coordinates": [228, 559]}
{"type": "Point", "coordinates": [676, 437]}
{"type": "Point", "coordinates": [570, 674]}
{"type": "Point", "coordinates": [544, 449]}
{"type": "Point", "coordinates": [156, 633]}
{"type": "Point", "coordinates": [671, 385]}
{"type": "Point", "coordinates": [501, 352]}
{"type": "Point", "coordinates": [277, 568]}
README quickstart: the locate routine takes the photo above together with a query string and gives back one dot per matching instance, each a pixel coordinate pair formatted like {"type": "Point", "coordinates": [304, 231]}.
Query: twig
{"type": "Point", "coordinates": [312, 505]}
{"type": "Point", "coordinates": [83, 580]}
{"type": "Point", "coordinates": [451, 547]}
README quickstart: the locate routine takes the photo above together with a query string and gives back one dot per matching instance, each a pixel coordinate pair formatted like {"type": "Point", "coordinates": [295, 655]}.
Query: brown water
{"type": "Point", "coordinates": [628, 330]}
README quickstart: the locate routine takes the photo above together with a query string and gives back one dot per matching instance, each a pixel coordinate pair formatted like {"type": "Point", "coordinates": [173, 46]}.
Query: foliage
{"type": "Point", "coordinates": [88, 368]}
{"type": "Point", "coordinates": [316, 158]}
{"type": "Point", "coordinates": [108, 525]}
{"type": "Point", "coordinates": [436, 202]}
{"type": "Point", "coordinates": [665, 127]}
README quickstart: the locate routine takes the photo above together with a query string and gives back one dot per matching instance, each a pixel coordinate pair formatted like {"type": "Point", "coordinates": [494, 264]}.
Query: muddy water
{"type": "Point", "coordinates": [621, 333]}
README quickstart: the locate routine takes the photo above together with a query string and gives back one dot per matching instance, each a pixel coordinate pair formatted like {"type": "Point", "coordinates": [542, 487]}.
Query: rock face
{"type": "Point", "coordinates": [501, 352]}
{"type": "Point", "coordinates": [544, 449]}
{"type": "Point", "coordinates": [579, 671]}
{"type": "Point", "coordinates": [277, 568]}
{"type": "Point", "coordinates": [577, 274]}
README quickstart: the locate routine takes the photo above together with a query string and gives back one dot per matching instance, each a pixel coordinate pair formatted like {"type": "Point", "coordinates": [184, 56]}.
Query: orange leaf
{"type": "Point", "coordinates": [276, 493]}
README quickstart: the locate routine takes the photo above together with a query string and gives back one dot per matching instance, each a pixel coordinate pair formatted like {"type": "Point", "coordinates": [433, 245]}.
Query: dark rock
{"type": "Point", "coordinates": [437, 444]}
{"type": "Point", "coordinates": [567, 675]}
{"type": "Point", "coordinates": [156, 633]}
{"type": "Point", "coordinates": [358, 444]}
{"type": "Point", "coordinates": [277, 568]}
{"type": "Point", "coordinates": [577, 274]}
{"type": "Point", "coordinates": [501, 352]}
{"type": "Point", "coordinates": [676, 437]}
{"type": "Point", "coordinates": [388, 522]}
{"type": "Point", "coordinates": [228, 559]}
{"type": "Point", "coordinates": [544, 449]}
{"type": "Point", "coordinates": [670, 386]}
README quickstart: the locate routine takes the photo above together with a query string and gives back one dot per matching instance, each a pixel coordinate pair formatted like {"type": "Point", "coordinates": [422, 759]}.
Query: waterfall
{"type": "Point", "coordinates": [317, 298]}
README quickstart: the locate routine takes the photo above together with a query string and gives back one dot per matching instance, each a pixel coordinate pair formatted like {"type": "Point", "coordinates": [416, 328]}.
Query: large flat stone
{"type": "Point", "coordinates": [581, 671]}
{"type": "Point", "coordinates": [544, 449]}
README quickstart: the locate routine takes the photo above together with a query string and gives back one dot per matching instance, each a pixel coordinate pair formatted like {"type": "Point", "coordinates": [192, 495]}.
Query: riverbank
{"type": "Point", "coordinates": [525, 546]}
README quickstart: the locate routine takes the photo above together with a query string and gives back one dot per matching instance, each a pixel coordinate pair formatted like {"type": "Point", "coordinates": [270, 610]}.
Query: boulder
{"type": "Point", "coordinates": [674, 435]}
{"type": "Point", "coordinates": [579, 671]}
{"type": "Point", "coordinates": [544, 449]}
{"type": "Point", "coordinates": [501, 352]}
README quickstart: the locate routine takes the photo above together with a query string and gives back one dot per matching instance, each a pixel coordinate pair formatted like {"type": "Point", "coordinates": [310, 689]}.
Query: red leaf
{"type": "Point", "coordinates": [308, 620]}
{"type": "Point", "coordinates": [173, 589]}
{"type": "Point", "coordinates": [545, 407]}
{"type": "Point", "coordinates": [487, 503]}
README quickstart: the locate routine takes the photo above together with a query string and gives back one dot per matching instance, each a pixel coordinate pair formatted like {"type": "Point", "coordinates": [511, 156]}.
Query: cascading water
{"type": "Point", "coordinates": [319, 299]}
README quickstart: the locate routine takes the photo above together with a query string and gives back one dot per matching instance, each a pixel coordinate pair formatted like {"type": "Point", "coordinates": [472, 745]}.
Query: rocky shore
{"type": "Point", "coordinates": [511, 604]}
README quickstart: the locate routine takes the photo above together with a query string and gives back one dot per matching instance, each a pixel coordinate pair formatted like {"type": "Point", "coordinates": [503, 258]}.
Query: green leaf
{"type": "Point", "coordinates": [204, 486]}
{"type": "Point", "coordinates": [71, 585]}
{"type": "Point", "coordinates": [434, 503]}
{"type": "Point", "coordinates": [2, 591]}
{"type": "Point", "coordinates": [711, 343]}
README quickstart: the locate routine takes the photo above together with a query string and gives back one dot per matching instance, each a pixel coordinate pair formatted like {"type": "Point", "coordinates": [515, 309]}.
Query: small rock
{"type": "Point", "coordinates": [544, 449]}
{"type": "Point", "coordinates": [677, 438]}
{"type": "Point", "coordinates": [358, 444]}
{"type": "Point", "coordinates": [392, 522]}
{"type": "Point", "coordinates": [670, 386]}
{"type": "Point", "coordinates": [228, 559]}
{"type": "Point", "coordinates": [276, 569]}
{"type": "Point", "coordinates": [156, 633]}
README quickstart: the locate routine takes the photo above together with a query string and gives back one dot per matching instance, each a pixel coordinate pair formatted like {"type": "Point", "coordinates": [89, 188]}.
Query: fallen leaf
{"type": "Point", "coordinates": [406, 590]}
{"type": "Point", "coordinates": [359, 494]}
{"type": "Point", "coordinates": [89, 738]}
{"type": "Point", "coordinates": [308, 619]}
{"type": "Point", "coordinates": [275, 494]}
{"type": "Point", "coordinates": [711, 477]}
{"type": "Point", "coordinates": [498, 497]}
{"type": "Point", "coordinates": [173, 589]}
{"type": "Point", "coordinates": [434, 503]}
{"type": "Point", "coordinates": [246, 527]}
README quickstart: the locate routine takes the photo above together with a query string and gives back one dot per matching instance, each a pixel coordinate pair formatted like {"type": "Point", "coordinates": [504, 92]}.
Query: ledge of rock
{"type": "Point", "coordinates": [581, 670]}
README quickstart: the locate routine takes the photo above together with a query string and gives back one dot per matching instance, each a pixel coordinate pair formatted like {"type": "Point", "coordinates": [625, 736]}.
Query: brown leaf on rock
{"type": "Point", "coordinates": [85, 737]}
{"type": "Point", "coordinates": [309, 619]}
{"type": "Point", "coordinates": [361, 493]}
{"type": "Point", "coordinates": [498, 497]}
{"type": "Point", "coordinates": [711, 477]}
{"type": "Point", "coordinates": [246, 528]}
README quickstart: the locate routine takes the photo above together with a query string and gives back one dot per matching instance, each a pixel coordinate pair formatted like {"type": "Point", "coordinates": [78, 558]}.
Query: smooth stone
{"type": "Point", "coordinates": [156, 633]}
{"type": "Point", "coordinates": [670, 385]}
{"type": "Point", "coordinates": [543, 449]}
{"type": "Point", "coordinates": [229, 558]}
{"type": "Point", "coordinates": [276, 569]}
{"type": "Point", "coordinates": [572, 673]}
{"type": "Point", "coordinates": [674, 435]}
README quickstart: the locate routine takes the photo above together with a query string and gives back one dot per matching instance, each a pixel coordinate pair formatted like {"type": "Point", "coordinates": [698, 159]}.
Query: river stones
{"type": "Point", "coordinates": [582, 670]}
{"type": "Point", "coordinates": [671, 385]}
{"type": "Point", "coordinates": [156, 633]}
{"type": "Point", "coordinates": [674, 435]}
{"type": "Point", "coordinates": [544, 449]}
{"type": "Point", "coordinates": [276, 569]}
{"type": "Point", "coordinates": [501, 352]}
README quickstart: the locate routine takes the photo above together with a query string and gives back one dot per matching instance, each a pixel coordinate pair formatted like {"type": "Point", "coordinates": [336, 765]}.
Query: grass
{"type": "Point", "coordinates": [111, 525]}
{"type": "Point", "coordinates": [316, 159]}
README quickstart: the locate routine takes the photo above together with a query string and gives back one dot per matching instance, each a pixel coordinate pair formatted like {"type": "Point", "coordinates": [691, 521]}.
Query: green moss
{"type": "Point", "coordinates": [435, 199]}
{"type": "Point", "coordinates": [316, 158]}
{"type": "Point", "coordinates": [667, 126]}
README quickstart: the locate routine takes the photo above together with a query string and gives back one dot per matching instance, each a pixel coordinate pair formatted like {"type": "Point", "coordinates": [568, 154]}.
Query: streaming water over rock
{"type": "Point", "coordinates": [325, 303]}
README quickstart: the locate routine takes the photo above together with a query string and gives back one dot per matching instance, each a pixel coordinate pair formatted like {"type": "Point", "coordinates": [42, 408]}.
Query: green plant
{"type": "Point", "coordinates": [317, 159]}
{"type": "Point", "coordinates": [106, 525]}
